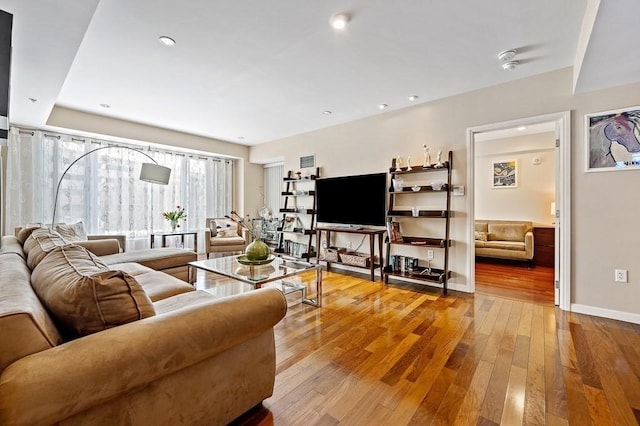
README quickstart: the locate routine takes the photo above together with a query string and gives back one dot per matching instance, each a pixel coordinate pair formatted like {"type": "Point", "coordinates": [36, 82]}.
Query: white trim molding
{"type": "Point", "coordinates": [605, 313]}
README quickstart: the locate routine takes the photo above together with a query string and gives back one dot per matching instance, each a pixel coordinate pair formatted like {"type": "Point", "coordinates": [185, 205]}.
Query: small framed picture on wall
{"type": "Point", "coordinates": [613, 140]}
{"type": "Point", "coordinates": [504, 174]}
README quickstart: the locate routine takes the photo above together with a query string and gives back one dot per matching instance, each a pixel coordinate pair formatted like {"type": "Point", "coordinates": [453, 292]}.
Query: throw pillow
{"type": "Point", "coordinates": [39, 244]}
{"type": "Point", "coordinates": [480, 236]}
{"type": "Point", "coordinates": [71, 233]}
{"type": "Point", "coordinates": [25, 232]}
{"type": "Point", "coordinates": [84, 296]}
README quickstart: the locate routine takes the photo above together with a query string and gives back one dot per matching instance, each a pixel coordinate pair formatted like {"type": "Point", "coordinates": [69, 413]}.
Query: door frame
{"type": "Point", "coordinates": [562, 121]}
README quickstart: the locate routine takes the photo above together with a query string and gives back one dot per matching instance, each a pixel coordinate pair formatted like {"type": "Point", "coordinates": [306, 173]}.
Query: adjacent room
{"type": "Point", "coordinates": [284, 212]}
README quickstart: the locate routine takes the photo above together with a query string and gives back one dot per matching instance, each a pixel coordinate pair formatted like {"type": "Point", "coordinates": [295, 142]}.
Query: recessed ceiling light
{"type": "Point", "coordinates": [167, 41]}
{"type": "Point", "coordinates": [105, 105]}
{"type": "Point", "coordinates": [339, 21]}
{"type": "Point", "coordinates": [382, 106]}
{"type": "Point", "coordinates": [522, 128]}
{"type": "Point", "coordinates": [510, 66]}
{"type": "Point", "coordinates": [327, 112]}
{"type": "Point", "coordinates": [507, 55]}
{"type": "Point", "coordinates": [413, 97]}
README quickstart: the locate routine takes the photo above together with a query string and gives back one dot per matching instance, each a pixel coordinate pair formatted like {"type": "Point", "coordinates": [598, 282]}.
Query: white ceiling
{"type": "Point", "coordinates": [265, 70]}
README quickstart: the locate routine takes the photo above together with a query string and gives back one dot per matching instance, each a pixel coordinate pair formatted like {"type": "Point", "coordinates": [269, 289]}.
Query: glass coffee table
{"type": "Point", "coordinates": [272, 273]}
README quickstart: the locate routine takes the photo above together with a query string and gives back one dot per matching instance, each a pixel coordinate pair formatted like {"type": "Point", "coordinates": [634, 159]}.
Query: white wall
{"type": "Point", "coordinates": [604, 205]}
{"type": "Point", "coordinates": [531, 199]}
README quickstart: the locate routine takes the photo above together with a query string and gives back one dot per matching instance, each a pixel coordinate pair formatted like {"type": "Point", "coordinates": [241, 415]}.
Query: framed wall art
{"type": "Point", "coordinates": [504, 174]}
{"type": "Point", "coordinates": [613, 140]}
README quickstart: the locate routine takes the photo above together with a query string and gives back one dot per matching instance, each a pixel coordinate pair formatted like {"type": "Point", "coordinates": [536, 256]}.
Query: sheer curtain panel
{"type": "Point", "coordinates": [103, 189]}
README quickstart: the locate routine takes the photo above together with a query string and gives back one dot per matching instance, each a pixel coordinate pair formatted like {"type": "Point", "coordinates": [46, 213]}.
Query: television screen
{"type": "Point", "coordinates": [352, 200]}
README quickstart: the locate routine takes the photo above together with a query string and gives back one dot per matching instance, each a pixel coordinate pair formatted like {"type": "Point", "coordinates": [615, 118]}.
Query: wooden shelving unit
{"type": "Point", "coordinates": [443, 242]}
{"type": "Point", "coordinates": [290, 194]}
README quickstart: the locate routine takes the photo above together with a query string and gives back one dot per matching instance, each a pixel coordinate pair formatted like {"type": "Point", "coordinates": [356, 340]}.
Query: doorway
{"type": "Point", "coordinates": [556, 127]}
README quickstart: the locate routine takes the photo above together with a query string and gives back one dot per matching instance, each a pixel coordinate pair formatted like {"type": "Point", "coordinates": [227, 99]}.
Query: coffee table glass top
{"type": "Point", "coordinates": [254, 274]}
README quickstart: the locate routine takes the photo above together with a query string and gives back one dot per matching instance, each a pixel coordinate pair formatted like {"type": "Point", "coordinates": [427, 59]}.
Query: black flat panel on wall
{"type": "Point", "coordinates": [6, 23]}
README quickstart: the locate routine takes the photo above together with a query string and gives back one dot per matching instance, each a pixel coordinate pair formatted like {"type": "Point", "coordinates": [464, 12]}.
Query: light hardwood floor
{"type": "Point", "coordinates": [402, 354]}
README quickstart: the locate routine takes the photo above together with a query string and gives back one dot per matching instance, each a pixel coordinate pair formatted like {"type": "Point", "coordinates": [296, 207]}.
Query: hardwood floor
{"type": "Point", "coordinates": [515, 280]}
{"type": "Point", "coordinates": [406, 355]}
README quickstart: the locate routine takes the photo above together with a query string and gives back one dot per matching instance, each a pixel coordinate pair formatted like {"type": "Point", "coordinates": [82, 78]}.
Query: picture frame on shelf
{"type": "Point", "coordinates": [289, 223]}
{"type": "Point", "coordinates": [612, 140]}
{"type": "Point", "coordinates": [504, 174]}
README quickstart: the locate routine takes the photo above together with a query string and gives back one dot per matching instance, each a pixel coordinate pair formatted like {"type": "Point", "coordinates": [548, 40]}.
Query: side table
{"type": "Point", "coordinates": [544, 242]}
{"type": "Point", "coordinates": [180, 234]}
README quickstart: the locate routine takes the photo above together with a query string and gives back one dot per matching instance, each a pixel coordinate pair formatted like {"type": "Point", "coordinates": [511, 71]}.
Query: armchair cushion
{"type": "Point", "coordinates": [85, 296]}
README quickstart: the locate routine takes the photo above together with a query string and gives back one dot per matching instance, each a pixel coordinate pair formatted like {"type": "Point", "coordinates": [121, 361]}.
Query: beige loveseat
{"type": "Point", "coordinates": [504, 239]}
{"type": "Point", "coordinates": [86, 343]}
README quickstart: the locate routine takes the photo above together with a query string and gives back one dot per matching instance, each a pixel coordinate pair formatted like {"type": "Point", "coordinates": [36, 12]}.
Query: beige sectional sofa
{"type": "Point", "coordinates": [86, 342]}
{"type": "Point", "coordinates": [504, 239]}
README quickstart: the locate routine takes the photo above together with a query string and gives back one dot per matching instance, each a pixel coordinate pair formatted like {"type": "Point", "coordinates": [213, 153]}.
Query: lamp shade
{"type": "Point", "coordinates": [155, 173]}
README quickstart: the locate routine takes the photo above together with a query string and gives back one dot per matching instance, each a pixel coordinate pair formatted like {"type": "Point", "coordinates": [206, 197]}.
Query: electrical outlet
{"type": "Point", "coordinates": [348, 245]}
{"type": "Point", "coordinates": [621, 275]}
{"type": "Point", "coordinates": [429, 254]}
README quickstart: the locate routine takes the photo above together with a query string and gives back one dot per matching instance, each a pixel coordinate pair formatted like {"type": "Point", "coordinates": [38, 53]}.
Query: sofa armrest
{"type": "Point", "coordinates": [49, 386]}
{"type": "Point", "coordinates": [122, 240]}
{"type": "Point", "coordinates": [528, 244]}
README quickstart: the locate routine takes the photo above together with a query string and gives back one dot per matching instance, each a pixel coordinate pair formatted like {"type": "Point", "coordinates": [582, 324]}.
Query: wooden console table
{"type": "Point", "coordinates": [372, 233]}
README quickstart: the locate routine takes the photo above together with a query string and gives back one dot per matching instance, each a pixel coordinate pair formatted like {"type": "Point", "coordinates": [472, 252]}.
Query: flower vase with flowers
{"type": "Point", "coordinates": [257, 249]}
{"type": "Point", "coordinates": [174, 217]}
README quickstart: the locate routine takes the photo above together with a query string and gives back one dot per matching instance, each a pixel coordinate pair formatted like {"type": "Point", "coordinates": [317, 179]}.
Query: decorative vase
{"type": "Point", "coordinates": [257, 250]}
{"type": "Point", "coordinates": [174, 225]}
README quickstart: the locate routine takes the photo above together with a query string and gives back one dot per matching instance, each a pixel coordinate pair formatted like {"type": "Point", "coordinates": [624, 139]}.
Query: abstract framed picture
{"type": "Point", "coordinates": [504, 174]}
{"type": "Point", "coordinates": [613, 140]}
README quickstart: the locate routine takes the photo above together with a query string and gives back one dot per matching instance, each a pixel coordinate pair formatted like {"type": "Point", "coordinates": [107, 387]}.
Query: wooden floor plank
{"type": "Point", "coordinates": [403, 354]}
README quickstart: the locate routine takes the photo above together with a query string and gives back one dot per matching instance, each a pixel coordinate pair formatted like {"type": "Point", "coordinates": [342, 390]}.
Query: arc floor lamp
{"type": "Point", "coordinates": [150, 172]}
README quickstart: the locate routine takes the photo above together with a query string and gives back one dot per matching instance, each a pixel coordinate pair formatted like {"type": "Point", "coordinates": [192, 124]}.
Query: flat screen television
{"type": "Point", "coordinates": [352, 200]}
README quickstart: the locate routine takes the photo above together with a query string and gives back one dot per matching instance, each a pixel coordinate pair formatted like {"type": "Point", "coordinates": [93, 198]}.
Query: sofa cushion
{"type": "Point", "coordinates": [505, 245]}
{"type": "Point", "coordinates": [25, 324]}
{"type": "Point", "coordinates": [156, 258]}
{"type": "Point", "coordinates": [481, 226]}
{"type": "Point", "coordinates": [507, 231]}
{"type": "Point", "coordinates": [157, 285]}
{"type": "Point", "coordinates": [84, 296]}
{"type": "Point", "coordinates": [39, 243]}
{"type": "Point", "coordinates": [71, 233]}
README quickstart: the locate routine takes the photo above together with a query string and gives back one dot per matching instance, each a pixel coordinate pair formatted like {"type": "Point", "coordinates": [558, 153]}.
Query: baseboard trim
{"type": "Point", "coordinates": [605, 313]}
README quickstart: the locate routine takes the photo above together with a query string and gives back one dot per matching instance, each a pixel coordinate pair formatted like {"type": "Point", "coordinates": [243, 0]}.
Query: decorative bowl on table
{"type": "Point", "coordinates": [242, 259]}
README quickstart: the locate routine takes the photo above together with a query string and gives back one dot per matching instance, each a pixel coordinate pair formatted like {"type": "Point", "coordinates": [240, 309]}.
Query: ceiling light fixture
{"type": "Point", "coordinates": [522, 128]}
{"type": "Point", "coordinates": [339, 21]}
{"type": "Point", "coordinates": [507, 55]}
{"type": "Point", "coordinates": [413, 97]}
{"type": "Point", "coordinates": [327, 112]}
{"type": "Point", "coordinates": [167, 41]}
{"type": "Point", "coordinates": [509, 66]}
{"type": "Point", "coordinates": [382, 106]}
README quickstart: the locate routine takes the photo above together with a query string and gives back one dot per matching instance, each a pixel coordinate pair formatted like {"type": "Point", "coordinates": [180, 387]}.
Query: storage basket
{"type": "Point", "coordinates": [331, 254]}
{"type": "Point", "coordinates": [355, 259]}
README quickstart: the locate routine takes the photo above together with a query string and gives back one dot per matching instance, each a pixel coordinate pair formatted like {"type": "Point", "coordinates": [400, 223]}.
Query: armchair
{"type": "Point", "coordinates": [223, 235]}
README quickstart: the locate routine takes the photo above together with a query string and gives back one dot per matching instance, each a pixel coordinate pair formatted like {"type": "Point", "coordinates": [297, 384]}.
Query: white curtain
{"type": "Point", "coordinates": [273, 178]}
{"type": "Point", "coordinates": [103, 190]}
